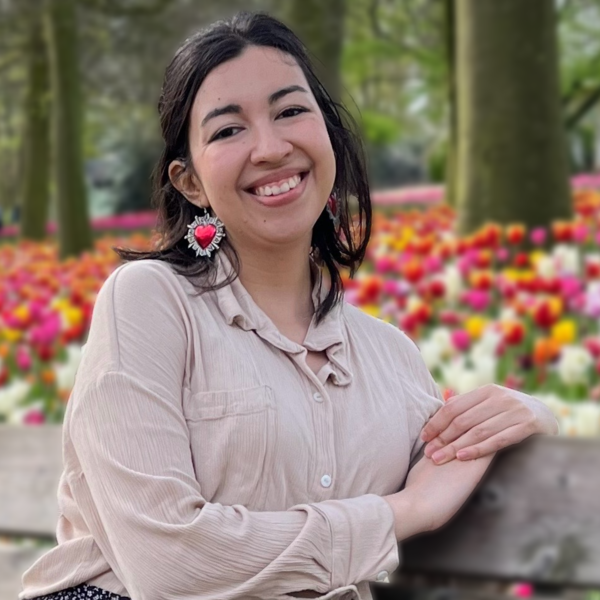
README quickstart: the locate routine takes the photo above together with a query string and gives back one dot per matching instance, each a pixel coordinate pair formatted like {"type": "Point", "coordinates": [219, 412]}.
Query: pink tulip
{"type": "Point", "coordinates": [47, 331]}
{"type": "Point", "coordinates": [23, 358]}
{"type": "Point", "coordinates": [460, 339]}
{"type": "Point", "coordinates": [34, 417]}
{"type": "Point", "coordinates": [523, 590]}
{"type": "Point", "coordinates": [384, 264]}
{"type": "Point", "coordinates": [433, 264]}
{"type": "Point", "coordinates": [538, 236]}
{"type": "Point", "coordinates": [502, 254]}
{"type": "Point", "coordinates": [478, 300]}
{"type": "Point", "coordinates": [580, 233]}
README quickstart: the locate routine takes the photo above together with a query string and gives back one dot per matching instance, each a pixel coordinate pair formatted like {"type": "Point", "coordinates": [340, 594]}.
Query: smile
{"type": "Point", "coordinates": [281, 192]}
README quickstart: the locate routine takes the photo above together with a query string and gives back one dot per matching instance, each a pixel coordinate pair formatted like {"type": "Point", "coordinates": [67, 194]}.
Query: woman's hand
{"type": "Point", "coordinates": [484, 421]}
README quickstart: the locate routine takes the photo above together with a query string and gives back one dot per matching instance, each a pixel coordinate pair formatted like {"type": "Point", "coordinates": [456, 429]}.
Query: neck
{"type": "Point", "coordinates": [279, 283]}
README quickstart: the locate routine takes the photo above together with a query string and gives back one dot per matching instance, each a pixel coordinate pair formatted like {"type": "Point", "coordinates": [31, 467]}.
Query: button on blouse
{"type": "Point", "coordinates": [203, 457]}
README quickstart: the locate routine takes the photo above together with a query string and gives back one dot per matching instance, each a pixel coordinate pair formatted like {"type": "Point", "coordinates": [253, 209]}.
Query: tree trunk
{"type": "Point", "coordinates": [74, 230]}
{"type": "Point", "coordinates": [320, 26]}
{"type": "Point", "coordinates": [36, 153]}
{"type": "Point", "coordinates": [512, 152]}
{"type": "Point", "coordinates": [452, 152]}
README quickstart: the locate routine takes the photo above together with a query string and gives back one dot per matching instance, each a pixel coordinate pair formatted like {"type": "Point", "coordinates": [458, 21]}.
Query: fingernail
{"type": "Point", "coordinates": [437, 456]}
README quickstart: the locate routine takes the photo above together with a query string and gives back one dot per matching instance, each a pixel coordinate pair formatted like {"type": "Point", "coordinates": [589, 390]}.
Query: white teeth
{"type": "Point", "coordinates": [273, 190]}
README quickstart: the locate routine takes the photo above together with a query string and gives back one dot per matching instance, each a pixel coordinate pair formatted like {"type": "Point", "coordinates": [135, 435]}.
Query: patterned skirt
{"type": "Point", "coordinates": [82, 591]}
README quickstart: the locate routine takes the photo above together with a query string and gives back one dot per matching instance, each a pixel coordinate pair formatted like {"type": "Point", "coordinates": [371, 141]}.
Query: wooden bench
{"type": "Point", "coordinates": [30, 468]}
{"type": "Point", "coordinates": [535, 517]}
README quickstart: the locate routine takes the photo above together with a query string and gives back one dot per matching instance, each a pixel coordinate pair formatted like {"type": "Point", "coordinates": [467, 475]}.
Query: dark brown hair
{"type": "Point", "coordinates": [338, 246]}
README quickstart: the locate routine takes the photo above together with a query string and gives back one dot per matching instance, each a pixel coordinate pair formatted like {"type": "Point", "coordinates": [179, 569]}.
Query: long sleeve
{"type": "Point", "coordinates": [135, 483]}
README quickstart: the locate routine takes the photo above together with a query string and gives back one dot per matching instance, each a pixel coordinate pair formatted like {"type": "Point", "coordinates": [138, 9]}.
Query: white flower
{"type": "Point", "coordinates": [413, 303]}
{"type": "Point", "coordinates": [461, 378]}
{"type": "Point", "coordinates": [431, 353]}
{"type": "Point", "coordinates": [508, 314]}
{"type": "Point", "coordinates": [467, 381]}
{"type": "Point", "coordinates": [12, 395]}
{"type": "Point", "coordinates": [17, 416]}
{"type": "Point", "coordinates": [453, 281]}
{"type": "Point", "coordinates": [488, 343]}
{"type": "Point", "coordinates": [443, 338]}
{"type": "Point", "coordinates": [567, 259]}
{"type": "Point", "coordinates": [546, 267]}
{"type": "Point", "coordinates": [586, 419]}
{"type": "Point", "coordinates": [485, 368]}
{"type": "Point", "coordinates": [573, 364]}
{"type": "Point", "coordinates": [65, 372]}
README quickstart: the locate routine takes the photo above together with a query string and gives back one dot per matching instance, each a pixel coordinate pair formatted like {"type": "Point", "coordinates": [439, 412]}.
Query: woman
{"type": "Point", "coordinates": [251, 439]}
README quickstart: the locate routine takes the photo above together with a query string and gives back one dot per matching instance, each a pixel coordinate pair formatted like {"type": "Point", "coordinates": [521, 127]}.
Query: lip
{"type": "Point", "coordinates": [283, 199]}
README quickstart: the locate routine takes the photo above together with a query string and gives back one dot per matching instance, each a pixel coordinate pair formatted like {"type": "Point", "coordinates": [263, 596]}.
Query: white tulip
{"type": "Point", "coordinates": [488, 343]}
{"type": "Point", "coordinates": [567, 259]}
{"type": "Point", "coordinates": [484, 367]}
{"type": "Point", "coordinates": [442, 336]}
{"type": "Point", "coordinates": [573, 364]}
{"type": "Point", "coordinates": [586, 418]}
{"type": "Point", "coordinates": [546, 267]}
{"type": "Point", "coordinates": [453, 281]}
{"type": "Point", "coordinates": [12, 395]}
{"type": "Point", "coordinates": [431, 353]}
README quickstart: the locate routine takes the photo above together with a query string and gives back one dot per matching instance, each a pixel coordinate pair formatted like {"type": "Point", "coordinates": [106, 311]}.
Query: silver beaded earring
{"type": "Point", "coordinates": [205, 234]}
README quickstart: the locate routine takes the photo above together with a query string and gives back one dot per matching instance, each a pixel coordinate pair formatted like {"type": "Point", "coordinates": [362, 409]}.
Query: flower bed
{"type": "Point", "coordinates": [481, 309]}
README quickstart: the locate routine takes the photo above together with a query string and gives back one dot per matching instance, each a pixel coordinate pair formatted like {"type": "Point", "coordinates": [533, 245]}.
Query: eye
{"type": "Point", "coordinates": [298, 109]}
{"type": "Point", "coordinates": [224, 133]}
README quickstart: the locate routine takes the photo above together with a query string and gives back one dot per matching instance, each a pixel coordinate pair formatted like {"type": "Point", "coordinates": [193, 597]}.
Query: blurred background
{"type": "Point", "coordinates": [481, 122]}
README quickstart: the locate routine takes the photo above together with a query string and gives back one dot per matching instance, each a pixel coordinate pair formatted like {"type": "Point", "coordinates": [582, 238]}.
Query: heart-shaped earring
{"type": "Point", "coordinates": [204, 234]}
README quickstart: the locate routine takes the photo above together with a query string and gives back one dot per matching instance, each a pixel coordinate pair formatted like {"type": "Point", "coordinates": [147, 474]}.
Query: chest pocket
{"type": "Point", "coordinates": [232, 438]}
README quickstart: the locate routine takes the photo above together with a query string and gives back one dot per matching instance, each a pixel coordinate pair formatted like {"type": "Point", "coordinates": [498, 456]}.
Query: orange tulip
{"type": "Point", "coordinates": [545, 350]}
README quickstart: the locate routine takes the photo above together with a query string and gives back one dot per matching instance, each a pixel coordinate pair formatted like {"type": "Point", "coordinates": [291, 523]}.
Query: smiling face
{"type": "Point", "coordinates": [260, 150]}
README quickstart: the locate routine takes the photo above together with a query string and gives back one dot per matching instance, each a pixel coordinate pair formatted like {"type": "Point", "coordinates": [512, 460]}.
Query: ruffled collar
{"type": "Point", "coordinates": [239, 309]}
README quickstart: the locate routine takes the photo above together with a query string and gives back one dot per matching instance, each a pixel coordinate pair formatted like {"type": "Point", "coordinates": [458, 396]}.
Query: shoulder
{"type": "Point", "coordinates": [142, 283]}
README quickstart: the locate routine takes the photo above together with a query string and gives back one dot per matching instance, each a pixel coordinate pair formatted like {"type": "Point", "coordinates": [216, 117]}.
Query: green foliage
{"type": "Point", "coordinates": [379, 129]}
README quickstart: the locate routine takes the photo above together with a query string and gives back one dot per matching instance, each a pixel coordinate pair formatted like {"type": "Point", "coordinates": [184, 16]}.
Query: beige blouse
{"type": "Point", "coordinates": [204, 459]}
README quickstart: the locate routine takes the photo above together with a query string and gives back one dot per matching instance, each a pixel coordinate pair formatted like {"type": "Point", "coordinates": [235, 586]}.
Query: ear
{"type": "Point", "coordinates": [186, 181]}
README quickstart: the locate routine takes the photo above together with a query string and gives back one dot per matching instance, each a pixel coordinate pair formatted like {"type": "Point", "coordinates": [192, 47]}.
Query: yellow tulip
{"type": "Point", "coordinates": [564, 332]}
{"type": "Point", "coordinates": [475, 326]}
{"type": "Point", "coordinates": [371, 309]}
{"type": "Point", "coordinates": [12, 335]}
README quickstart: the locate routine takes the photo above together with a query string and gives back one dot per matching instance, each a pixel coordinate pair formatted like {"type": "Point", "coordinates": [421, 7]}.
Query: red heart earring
{"type": "Point", "coordinates": [204, 234]}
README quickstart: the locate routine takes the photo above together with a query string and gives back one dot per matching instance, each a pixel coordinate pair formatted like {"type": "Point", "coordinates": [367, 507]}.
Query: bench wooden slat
{"type": "Point", "coordinates": [14, 561]}
{"type": "Point", "coordinates": [30, 469]}
{"type": "Point", "coordinates": [534, 517]}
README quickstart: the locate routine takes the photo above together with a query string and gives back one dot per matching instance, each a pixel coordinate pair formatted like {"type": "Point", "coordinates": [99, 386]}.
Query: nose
{"type": "Point", "coordinates": [269, 145]}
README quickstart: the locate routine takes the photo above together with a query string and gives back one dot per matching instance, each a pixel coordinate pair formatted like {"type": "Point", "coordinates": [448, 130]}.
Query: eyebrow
{"type": "Point", "coordinates": [236, 108]}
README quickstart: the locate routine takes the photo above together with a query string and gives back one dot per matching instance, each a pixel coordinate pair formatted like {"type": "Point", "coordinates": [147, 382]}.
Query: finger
{"type": "Point", "coordinates": [479, 434]}
{"type": "Point", "coordinates": [461, 424]}
{"type": "Point", "coordinates": [444, 416]}
{"type": "Point", "coordinates": [508, 437]}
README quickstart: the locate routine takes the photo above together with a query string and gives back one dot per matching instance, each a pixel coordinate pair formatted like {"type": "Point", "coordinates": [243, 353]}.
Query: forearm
{"type": "Point", "coordinates": [434, 493]}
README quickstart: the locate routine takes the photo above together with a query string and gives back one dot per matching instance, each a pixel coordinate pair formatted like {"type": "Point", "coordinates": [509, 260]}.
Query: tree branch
{"type": "Point", "coordinates": [577, 115]}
